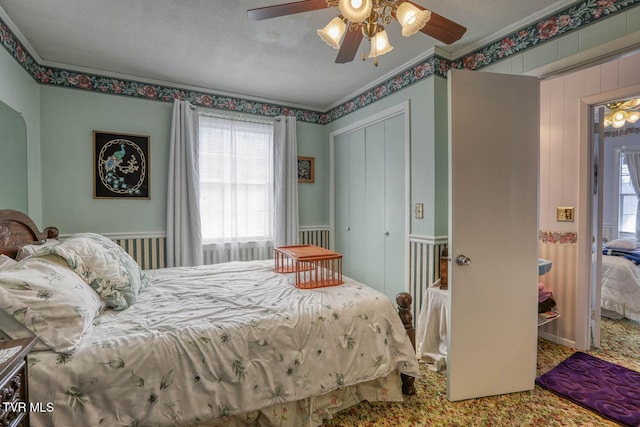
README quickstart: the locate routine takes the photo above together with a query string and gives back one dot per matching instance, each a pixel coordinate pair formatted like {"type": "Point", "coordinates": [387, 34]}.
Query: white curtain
{"type": "Point", "coordinates": [236, 189]}
{"type": "Point", "coordinates": [184, 236]}
{"type": "Point", "coordinates": [286, 181]}
{"type": "Point", "coordinates": [633, 162]}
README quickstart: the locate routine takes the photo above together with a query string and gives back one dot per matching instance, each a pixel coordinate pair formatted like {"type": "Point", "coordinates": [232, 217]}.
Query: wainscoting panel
{"type": "Point", "coordinates": [248, 252]}
{"type": "Point", "coordinates": [149, 251]}
{"type": "Point", "coordinates": [424, 259]}
{"type": "Point", "coordinates": [561, 280]}
{"type": "Point", "coordinates": [318, 236]}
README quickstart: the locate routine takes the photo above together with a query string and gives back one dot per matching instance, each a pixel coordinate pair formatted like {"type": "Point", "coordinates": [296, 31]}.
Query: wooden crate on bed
{"type": "Point", "coordinates": [314, 267]}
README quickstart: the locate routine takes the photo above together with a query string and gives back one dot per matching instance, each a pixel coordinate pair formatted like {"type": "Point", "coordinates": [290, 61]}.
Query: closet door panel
{"type": "Point", "coordinates": [394, 206]}
{"type": "Point", "coordinates": [357, 200]}
{"type": "Point", "coordinates": [374, 210]}
{"type": "Point", "coordinates": [342, 221]}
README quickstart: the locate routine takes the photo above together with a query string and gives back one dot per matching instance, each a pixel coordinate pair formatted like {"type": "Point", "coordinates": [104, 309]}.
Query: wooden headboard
{"type": "Point", "coordinates": [17, 230]}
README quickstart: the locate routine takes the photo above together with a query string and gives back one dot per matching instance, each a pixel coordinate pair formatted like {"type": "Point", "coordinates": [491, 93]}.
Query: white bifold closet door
{"type": "Point", "coordinates": [370, 208]}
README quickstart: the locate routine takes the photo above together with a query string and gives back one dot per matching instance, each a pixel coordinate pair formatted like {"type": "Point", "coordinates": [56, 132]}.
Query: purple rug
{"type": "Point", "coordinates": [610, 390]}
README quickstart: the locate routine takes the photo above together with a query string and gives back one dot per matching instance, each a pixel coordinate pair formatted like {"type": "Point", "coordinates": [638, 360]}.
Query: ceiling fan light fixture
{"type": "Point", "coordinates": [633, 117]}
{"type": "Point", "coordinates": [332, 33]}
{"type": "Point", "coordinates": [618, 124]}
{"type": "Point", "coordinates": [621, 112]}
{"type": "Point", "coordinates": [355, 10]}
{"type": "Point", "coordinates": [620, 116]}
{"type": "Point", "coordinates": [411, 18]}
{"type": "Point", "coordinates": [380, 44]}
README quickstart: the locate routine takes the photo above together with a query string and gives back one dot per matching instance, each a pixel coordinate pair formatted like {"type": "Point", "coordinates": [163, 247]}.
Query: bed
{"type": "Point", "coordinates": [620, 290]}
{"type": "Point", "coordinates": [226, 344]}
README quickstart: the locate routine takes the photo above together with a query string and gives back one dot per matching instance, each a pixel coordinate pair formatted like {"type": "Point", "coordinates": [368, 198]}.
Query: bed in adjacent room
{"type": "Point", "coordinates": [225, 344]}
{"type": "Point", "coordinates": [621, 279]}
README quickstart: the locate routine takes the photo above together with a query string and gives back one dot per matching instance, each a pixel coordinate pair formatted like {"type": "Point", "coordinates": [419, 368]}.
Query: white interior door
{"type": "Point", "coordinates": [597, 157]}
{"type": "Point", "coordinates": [395, 207]}
{"type": "Point", "coordinates": [357, 199]}
{"type": "Point", "coordinates": [493, 221]}
{"type": "Point", "coordinates": [373, 213]}
{"type": "Point", "coordinates": [342, 206]}
{"type": "Point", "coordinates": [370, 197]}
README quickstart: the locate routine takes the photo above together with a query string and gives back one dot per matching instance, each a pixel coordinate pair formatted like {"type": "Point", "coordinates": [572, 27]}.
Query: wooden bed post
{"type": "Point", "coordinates": [404, 300]}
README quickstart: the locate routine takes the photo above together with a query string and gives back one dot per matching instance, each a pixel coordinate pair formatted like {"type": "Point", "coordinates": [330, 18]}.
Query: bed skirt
{"type": "Point", "coordinates": [312, 411]}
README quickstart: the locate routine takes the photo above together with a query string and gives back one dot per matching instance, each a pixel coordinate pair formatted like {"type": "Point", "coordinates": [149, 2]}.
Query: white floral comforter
{"type": "Point", "coordinates": [621, 286]}
{"type": "Point", "coordinates": [213, 341]}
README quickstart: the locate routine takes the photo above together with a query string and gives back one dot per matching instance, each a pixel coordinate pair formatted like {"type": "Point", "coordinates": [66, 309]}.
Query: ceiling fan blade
{"type": "Point", "coordinates": [632, 103]}
{"type": "Point", "coordinates": [286, 9]}
{"type": "Point", "coordinates": [441, 28]}
{"type": "Point", "coordinates": [349, 47]}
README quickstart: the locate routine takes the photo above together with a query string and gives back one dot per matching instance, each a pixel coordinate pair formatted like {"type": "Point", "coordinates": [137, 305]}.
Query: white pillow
{"type": "Point", "coordinates": [48, 298]}
{"type": "Point", "coordinates": [28, 250]}
{"type": "Point", "coordinates": [11, 329]}
{"type": "Point", "coordinates": [623, 244]}
{"type": "Point", "coordinates": [6, 262]}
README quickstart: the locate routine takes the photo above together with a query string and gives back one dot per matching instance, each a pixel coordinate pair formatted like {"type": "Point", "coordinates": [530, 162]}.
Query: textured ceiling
{"type": "Point", "coordinates": [212, 45]}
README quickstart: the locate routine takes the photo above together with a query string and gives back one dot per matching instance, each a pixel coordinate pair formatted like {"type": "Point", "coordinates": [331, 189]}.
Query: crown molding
{"type": "Point", "coordinates": [523, 23]}
{"type": "Point", "coordinates": [122, 76]}
{"type": "Point", "coordinates": [386, 77]}
{"type": "Point", "coordinates": [18, 34]}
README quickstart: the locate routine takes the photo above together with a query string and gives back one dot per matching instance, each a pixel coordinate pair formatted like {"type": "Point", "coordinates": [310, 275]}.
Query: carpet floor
{"type": "Point", "coordinates": [620, 344]}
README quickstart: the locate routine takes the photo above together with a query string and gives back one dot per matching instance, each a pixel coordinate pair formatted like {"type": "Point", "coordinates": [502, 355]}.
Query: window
{"type": "Point", "coordinates": [236, 180]}
{"type": "Point", "coordinates": [628, 202]}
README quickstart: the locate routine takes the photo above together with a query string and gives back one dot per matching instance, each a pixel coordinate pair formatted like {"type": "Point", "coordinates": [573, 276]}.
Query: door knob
{"type": "Point", "coordinates": [463, 260]}
{"type": "Point", "coordinates": [386, 233]}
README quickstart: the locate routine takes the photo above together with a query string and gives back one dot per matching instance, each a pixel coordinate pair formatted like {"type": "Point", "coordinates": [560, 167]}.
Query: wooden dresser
{"type": "Point", "coordinates": [14, 391]}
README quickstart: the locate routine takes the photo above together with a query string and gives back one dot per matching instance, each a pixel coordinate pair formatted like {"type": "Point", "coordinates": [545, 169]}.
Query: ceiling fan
{"type": "Point", "coordinates": [367, 18]}
{"type": "Point", "coordinates": [622, 112]}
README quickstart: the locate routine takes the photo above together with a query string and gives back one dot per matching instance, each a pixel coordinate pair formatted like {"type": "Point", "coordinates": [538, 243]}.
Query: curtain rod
{"type": "Point", "coordinates": [241, 118]}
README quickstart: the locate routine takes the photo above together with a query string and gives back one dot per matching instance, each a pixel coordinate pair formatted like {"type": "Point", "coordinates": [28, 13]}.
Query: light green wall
{"type": "Point", "coordinates": [21, 93]}
{"type": "Point", "coordinates": [428, 126]}
{"type": "Point", "coordinates": [441, 153]}
{"type": "Point", "coordinates": [69, 118]}
{"type": "Point", "coordinates": [313, 197]}
{"type": "Point", "coordinates": [13, 162]}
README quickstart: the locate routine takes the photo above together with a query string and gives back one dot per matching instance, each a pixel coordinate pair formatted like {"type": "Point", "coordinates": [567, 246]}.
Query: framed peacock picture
{"type": "Point", "coordinates": [121, 166]}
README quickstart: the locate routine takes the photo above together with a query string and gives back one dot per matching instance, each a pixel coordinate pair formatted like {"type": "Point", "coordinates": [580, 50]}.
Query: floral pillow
{"type": "Point", "coordinates": [6, 262]}
{"type": "Point", "coordinates": [28, 250]}
{"type": "Point", "coordinates": [104, 265]}
{"type": "Point", "coordinates": [11, 329]}
{"type": "Point", "coordinates": [44, 295]}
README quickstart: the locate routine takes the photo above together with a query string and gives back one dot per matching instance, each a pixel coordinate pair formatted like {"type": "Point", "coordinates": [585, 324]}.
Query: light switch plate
{"type": "Point", "coordinates": [565, 213]}
{"type": "Point", "coordinates": [419, 210]}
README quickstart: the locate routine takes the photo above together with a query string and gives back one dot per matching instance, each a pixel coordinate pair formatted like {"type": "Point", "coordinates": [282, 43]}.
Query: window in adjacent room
{"type": "Point", "coordinates": [236, 180]}
{"type": "Point", "coordinates": [628, 202]}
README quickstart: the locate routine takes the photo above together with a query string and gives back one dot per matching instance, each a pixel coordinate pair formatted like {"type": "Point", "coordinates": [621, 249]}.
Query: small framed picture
{"type": "Point", "coordinates": [305, 169]}
{"type": "Point", "coordinates": [120, 166]}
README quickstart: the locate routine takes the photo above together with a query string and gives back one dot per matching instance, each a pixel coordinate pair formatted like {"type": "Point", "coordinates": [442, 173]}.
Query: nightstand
{"type": "Point", "coordinates": [14, 393]}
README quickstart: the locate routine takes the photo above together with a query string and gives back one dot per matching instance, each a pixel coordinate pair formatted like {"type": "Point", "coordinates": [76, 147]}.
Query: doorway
{"type": "Point", "coordinates": [615, 276]}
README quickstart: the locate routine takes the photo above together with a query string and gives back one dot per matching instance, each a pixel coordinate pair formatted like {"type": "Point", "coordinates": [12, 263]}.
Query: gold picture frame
{"type": "Point", "coordinates": [306, 169]}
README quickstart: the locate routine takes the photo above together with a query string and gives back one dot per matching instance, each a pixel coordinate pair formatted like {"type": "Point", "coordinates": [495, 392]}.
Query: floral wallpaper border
{"type": "Point", "coordinates": [558, 237]}
{"type": "Point", "coordinates": [558, 24]}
